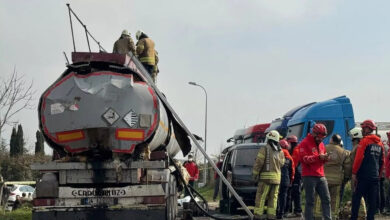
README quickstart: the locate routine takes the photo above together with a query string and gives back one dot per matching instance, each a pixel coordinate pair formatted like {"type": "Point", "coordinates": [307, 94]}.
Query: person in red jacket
{"type": "Point", "coordinates": [192, 169]}
{"type": "Point", "coordinates": [367, 169]}
{"type": "Point", "coordinates": [313, 155]}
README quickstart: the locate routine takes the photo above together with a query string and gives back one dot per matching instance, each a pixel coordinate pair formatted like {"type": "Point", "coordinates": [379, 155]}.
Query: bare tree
{"type": "Point", "coordinates": [16, 94]}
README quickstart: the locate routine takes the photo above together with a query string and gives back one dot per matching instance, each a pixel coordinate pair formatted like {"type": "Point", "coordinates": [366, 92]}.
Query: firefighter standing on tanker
{"type": "Point", "coordinates": [124, 44]}
{"type": "Point", "coordinates": [356, 135]}
{"type": "Point", "coordinates": [313, 156]}
{"type": "Point", "coordinates": [147, 54]}
{"type": "Point", "coordinates": [366, 170]}
{"type": "Point", "coordinates": [267, 171]}
{"type": "Point", "coordinates": [287, 177]}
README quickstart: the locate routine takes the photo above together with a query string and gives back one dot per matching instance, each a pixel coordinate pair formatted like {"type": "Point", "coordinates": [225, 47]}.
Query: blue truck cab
{"type": "Point", "coordinates": [336, 114]}
{"type": "Point", "coordinates": [280, 124]}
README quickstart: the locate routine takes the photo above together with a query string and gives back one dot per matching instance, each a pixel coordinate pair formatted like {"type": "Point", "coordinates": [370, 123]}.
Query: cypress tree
{"type": "Point", "coordinates": [39, 146]}
{"type": "Point", "coordinates": [19, 140]}
{"type": "Point", "coordinates": [12, 144]}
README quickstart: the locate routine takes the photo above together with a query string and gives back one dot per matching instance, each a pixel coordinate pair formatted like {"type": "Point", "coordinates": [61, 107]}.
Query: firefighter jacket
{"type": "Point", "coordinates": [145, 51]}
{"type": "Point", "coordinates": [123, 45]}
{"type": "Point", "coordinates": [369, 159]}
{"type": "Point", "coordinates": [353, 154]}
{"type": "Point", "coordinates": [352, 157]}
{"type": "Point", "coordinates": [338, 166]}
{"type": "Point", "coordinates": [192, 169]}
{"type": "Point", "coordinates": [288, 169]}
{"type": "Point", "coordinates": [309, 154]}
{"type": "Point", "coordinates": [267, 167]}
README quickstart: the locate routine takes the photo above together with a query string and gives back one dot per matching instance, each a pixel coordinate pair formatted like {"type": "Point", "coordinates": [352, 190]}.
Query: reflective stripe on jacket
{"type": "Point", "coordinates": [268, 165]}
{"type": "Point", "coordinates": [145, 51]}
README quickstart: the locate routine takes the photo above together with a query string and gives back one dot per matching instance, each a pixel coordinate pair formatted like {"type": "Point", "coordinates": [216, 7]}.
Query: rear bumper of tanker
{"type": "Point", "coordinates": [82, 213]}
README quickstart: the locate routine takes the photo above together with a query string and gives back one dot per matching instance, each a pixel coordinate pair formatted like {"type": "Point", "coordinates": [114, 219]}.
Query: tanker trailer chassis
{"type": "Point", "coordinates": [105, 190]}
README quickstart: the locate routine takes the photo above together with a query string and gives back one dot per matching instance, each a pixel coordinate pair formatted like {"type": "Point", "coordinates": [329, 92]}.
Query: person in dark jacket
{"type": "Point", "coordinates": [17, 204]}
{"type": "Point", "coordinates": [295, 191]}
{"type": "Point", "coordinates": [313, 156]}
{"type": "Point", "coordinates": [216, 178]}
{"type": "Point", "coordinates": [287, 176]}
{"type": "Point", "coordinates": [366, 171]}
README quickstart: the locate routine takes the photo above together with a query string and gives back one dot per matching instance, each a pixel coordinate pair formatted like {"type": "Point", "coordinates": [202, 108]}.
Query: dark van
{"type": "Point", "coordinates": [237, 168]}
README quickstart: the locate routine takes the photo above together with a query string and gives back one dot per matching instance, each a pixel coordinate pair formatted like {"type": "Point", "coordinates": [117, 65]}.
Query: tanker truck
{"type": "Point", "coordinates": [115, 140]}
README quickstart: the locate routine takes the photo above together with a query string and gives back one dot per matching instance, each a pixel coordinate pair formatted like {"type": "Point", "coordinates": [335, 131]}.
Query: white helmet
{"type": "Point", "coordinates": [138, 34]}
{"type": "Point", "coordinates": [125, 32]}
{"type": "Point", "coordinates": [273, 135]}
{"type": "Point", "coordinates": [356, 132]}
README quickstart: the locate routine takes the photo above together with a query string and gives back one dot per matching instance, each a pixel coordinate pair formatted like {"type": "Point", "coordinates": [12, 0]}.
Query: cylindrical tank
{"type": "Point", "coordinates": [99, 105]}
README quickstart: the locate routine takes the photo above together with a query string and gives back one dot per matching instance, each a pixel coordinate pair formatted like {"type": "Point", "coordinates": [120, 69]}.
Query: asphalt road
{"type": "Point", "coordinates": [214, 205]}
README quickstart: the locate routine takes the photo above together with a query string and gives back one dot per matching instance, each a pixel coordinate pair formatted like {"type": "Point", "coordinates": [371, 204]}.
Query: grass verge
{"type": "Point", "coordinates": [24, 213]}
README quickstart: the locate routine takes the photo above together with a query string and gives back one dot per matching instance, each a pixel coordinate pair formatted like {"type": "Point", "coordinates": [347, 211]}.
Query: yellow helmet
{"type": "Point", "coordinates": [273, 135]}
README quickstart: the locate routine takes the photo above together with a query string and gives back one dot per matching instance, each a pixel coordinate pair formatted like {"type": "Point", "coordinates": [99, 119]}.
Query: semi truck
{"type": "Point", "coordinates": [280, 124]}
{"type": "Point", "coordinates": [336, 114]}
{"type": "Point", "coordinates": [252, 134]}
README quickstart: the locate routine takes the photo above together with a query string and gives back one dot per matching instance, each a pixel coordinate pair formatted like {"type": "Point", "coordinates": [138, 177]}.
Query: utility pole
{"type": "Point", "coordinates": [205, 132]}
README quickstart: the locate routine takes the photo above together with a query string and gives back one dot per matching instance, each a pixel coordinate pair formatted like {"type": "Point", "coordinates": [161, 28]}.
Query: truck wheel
{"type": "Point", "coordinates": [171, 204]}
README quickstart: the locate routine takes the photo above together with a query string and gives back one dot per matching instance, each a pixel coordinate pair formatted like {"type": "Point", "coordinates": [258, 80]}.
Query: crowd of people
{"type": "Point", "coordinates": [284, 167]}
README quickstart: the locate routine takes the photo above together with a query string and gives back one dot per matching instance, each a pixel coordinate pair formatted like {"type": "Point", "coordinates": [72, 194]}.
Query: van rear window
{"type": "Point", "coordinates": [245, 157]}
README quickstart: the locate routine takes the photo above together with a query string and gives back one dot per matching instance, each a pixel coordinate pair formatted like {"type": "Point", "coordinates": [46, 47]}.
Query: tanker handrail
{"type": "Point", "coordinates": [149, 80]}
{"type": "Point", "coordinates": [87, 33]}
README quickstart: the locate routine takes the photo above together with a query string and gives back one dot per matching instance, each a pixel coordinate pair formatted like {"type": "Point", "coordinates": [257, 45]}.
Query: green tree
{"type": "Point", "coordinates": [19, 140]}
{"type": "Point", "coordinates": [39, 144]}
{"type": "Point", "coordinates": [12, 144]}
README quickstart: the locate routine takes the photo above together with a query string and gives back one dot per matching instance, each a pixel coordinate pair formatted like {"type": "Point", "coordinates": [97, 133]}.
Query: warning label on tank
{"type": "Point", "coordinates": [57, 108]}
{"type": "Point", "coordinates": [111, 116]}
{"type": "Point", "coordinates": [131, 118]}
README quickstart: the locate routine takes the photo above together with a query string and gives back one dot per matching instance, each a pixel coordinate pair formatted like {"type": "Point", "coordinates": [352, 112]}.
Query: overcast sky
{"type": "Point", "coordinates": [256, 59]}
